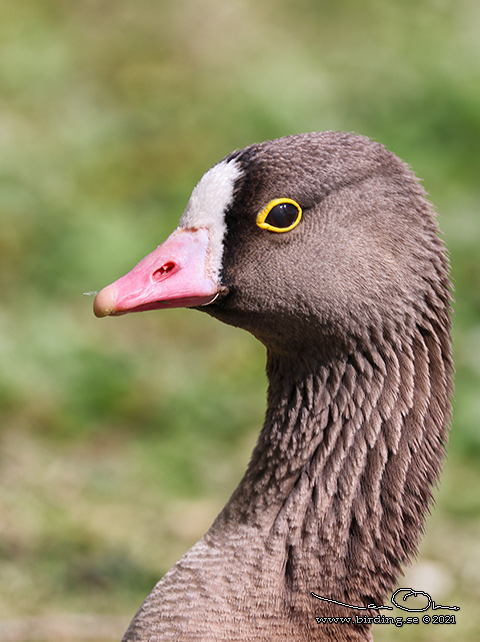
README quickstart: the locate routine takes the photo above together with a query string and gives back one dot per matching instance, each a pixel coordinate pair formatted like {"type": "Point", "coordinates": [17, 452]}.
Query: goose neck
{"type": "Point", "coordinates": [340, 480]}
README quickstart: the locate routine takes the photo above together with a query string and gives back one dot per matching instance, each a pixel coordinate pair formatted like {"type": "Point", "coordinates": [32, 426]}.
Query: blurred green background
{"type": "Point", "coordinates": [121, 439]}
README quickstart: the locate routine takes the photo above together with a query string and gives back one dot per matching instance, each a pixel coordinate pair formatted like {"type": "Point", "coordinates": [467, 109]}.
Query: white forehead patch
{"type": "Point", "coordinates": [207, 205]}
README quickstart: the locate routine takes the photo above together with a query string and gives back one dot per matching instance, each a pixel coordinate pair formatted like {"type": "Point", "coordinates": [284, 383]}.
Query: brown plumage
{"type": "Point", "coordinates": [353, 306]}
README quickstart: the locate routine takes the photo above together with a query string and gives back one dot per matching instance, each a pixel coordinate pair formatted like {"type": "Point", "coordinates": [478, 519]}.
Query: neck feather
{"type": "Point", "coordinates": [341, 479]}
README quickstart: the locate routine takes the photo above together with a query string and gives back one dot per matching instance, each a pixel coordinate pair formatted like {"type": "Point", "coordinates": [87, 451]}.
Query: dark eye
{"type": "Point", "coordinates": [280, 215]}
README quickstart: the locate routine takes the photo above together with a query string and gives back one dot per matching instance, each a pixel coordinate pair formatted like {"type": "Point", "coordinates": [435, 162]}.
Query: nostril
{"type": "Point", "coordinates": [163, 271]}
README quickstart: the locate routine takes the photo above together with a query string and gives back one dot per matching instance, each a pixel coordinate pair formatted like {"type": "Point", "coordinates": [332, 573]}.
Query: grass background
{"type": "Point", "coordinates": [121, 439]}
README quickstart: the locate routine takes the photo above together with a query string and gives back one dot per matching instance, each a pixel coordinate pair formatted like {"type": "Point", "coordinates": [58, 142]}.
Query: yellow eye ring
{"type": "Point", "coordinates": [280, 215]}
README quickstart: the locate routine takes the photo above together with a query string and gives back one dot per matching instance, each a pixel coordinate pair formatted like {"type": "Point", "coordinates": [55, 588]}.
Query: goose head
{"type": "Point", "coordinates": [306, 241]}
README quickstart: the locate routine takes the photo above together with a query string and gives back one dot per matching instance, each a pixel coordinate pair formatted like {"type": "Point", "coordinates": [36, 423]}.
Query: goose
{"type": "Point", "coordinates": [324, 247]}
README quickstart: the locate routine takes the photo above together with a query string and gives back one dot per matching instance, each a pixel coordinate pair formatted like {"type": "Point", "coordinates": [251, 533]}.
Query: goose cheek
{"type": "Point", "coordinates": [175, 275]}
